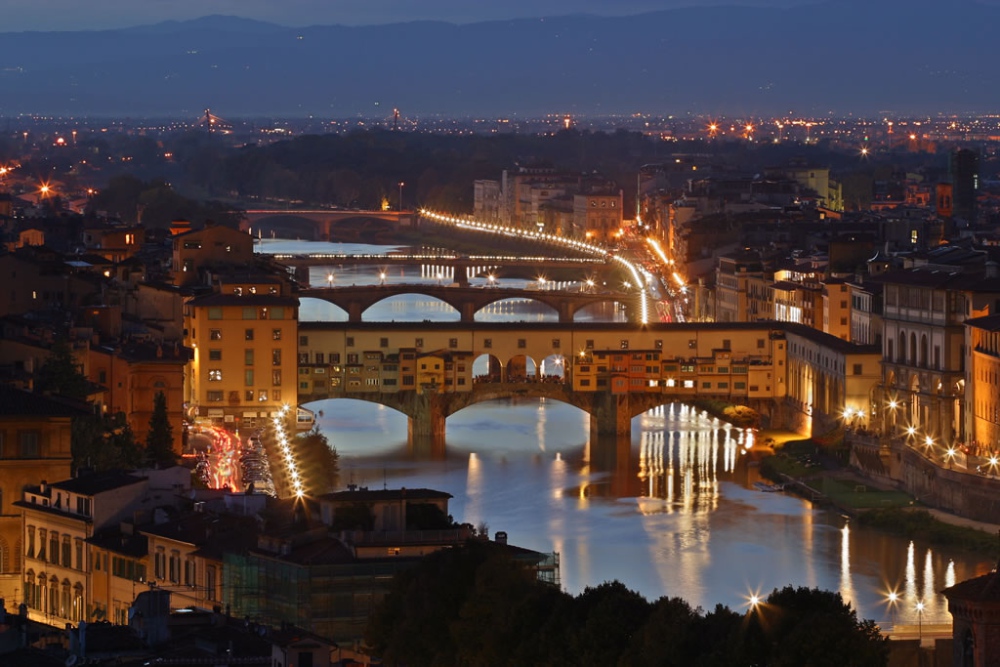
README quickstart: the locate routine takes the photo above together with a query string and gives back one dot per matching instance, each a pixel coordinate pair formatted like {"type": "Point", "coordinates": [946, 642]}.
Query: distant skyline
{"type": "Point", "coordinates": [63, 15]}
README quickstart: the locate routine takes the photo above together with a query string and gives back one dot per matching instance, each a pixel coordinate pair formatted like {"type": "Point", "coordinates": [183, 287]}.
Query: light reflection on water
{"type": "Point", "coordinates": [677, 516]}
{"type": "Point", "coordinates": [672, 513]}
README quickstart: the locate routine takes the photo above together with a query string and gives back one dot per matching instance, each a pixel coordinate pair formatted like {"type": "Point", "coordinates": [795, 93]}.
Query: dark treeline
{"type": "Point", "coordinates": [478, 606]}
{"type": "Point", "coordinates": [363, 169]}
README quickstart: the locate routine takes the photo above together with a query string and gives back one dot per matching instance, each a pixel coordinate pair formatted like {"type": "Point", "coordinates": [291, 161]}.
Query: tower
{"type": "Point", "coordinates": [964, 169]}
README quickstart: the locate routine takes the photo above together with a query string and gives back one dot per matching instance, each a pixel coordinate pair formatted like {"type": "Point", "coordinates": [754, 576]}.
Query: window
{"type": "Point", "coordinates": [418, 342]}
{"type": "Point", "coordinates": [215, 313]}
{"type": "Point", "coordinates": [275, 334]}
{"type": "Point", "coordinates": [692, 343]}
{"type": "Point", "coordinates": [250, 313]}
{"type": "Point", "coordinates": [487, 343]}
{"type": "Point", "coordinates": [727, 344]}
{"type": "Point", "coordinates": [248, 377]}
{"type": "Point", "coordinates": [383, 342]}
{"type": "Point", "coordinates": [659, 345]}
{"type": "Point", "coordinates": [857, 369]}
{"type": "Point", "coordinates": [215, 334]}
{"type": "Point", "coordinates": [67, 551]}
{"type": "Point", "coordinates": [556, 343]}
{"type": "Point", "coordinates": [740, 385]}
{"type": "Point", "coordinates": [214, 396]}
{"type": "Point", "coordinates": [276, 395]}
{"type": "Point", "coordinates": [262, 396]}
{"type": "Point", "coordinates": [760, 343]}
{"type": "Point", "coordinates": [215, 375]}
{"type": "Point", "coordinates": [706, 385]}
{"type": "Point", "coordinates": [210, 578]}
{"type": "Point", "coordinates": [278, 313]}
{"type": "Point", "coordinates": [623, 343]}
{"type": "Point", "coordinates": [248, 357]}
{"type": "Point", "coordinates": [248, 395]}
{"type": "Point", "coordinates": [248, 334]}
{"type": "Point", "coordinates": [689, 384]}
{"type": "Point", "coordinates": [42, 536]}
{"type": "Point", "coordinates": [522, 343]}
{"type": "Point", "coordinates": [28, 444]}
{"type": "Point", "coordinates": [174, 572]}
{"type": "Point", "coordinates": [31, 542]}
{"type": "Point", "coordinates": [453, 343]}
{"type": "Point", "coordinates": [335, 357]}
{"type": "Point", "coordinates": [352, 358]}
{"type": "Point", "coordinates": [276, 357]}
{"type": "Point", "coordinates": [589, 344]}
{"type": "Point", "coordinates": [303, 340]}
{"type": "Point", "coordinates": [350, 341]}
{"type": "Point", "coordinates": [276, 377]}
{"type": "Point", "coordinates": [54, 548]}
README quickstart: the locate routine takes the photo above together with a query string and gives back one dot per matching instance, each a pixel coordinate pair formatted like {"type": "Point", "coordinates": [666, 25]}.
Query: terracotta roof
{"type": "Point", "coordinates": [980, 589]}
{"type": "Point", "coordinates": [17, 403]}
{"type": "Point", "coordinates": [250, 300]}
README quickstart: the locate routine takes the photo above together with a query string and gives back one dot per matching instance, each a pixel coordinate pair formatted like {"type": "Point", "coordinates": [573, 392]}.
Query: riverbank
{"type": "Point", "coordinates": [818, 474]}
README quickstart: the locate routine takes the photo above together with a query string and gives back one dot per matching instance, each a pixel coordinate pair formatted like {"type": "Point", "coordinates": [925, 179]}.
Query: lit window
{"type": "Point", "coordinates": [215, 375]}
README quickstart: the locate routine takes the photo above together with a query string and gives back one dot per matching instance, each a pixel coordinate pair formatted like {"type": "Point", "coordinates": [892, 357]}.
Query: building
{"type": "Point", "coordinates": [213, 247]}
{"type": "Point", "coordinates": [982, 394]}
{"type": "Point", "coordinates": [964, 170]}
{"type": "Point", "coordinates": [35, 434]}
{"type": "Point", "coordinates": [133, 374]}
{"type": "Point", "coordinates": [597, 214]}
{"type": "Point", "coordinates": [974, 605]}
{"type": "Point", "coordinates": [58, 521]}
{"type": "Point", "coordinates": [245, 339]}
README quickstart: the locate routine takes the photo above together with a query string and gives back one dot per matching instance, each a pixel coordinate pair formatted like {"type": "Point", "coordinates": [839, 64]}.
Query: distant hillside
{"type": "Point", "coordinates": [839, 56]}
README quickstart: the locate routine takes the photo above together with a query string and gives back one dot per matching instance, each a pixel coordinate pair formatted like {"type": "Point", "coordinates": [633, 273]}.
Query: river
{"type": "Point", "coordinates": [674, 513]}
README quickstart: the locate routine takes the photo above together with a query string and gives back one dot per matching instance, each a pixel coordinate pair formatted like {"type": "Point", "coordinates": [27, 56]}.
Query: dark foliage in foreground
{"type": "Point", "coordinates": [477, 605]}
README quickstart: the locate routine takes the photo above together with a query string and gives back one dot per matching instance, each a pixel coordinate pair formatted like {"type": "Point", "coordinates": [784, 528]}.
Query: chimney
{"type": "Point", "coordinates": [501, 537]}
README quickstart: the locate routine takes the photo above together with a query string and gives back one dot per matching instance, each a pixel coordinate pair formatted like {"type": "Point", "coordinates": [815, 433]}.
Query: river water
{"type": "Point", "coordinates": [673, 512]}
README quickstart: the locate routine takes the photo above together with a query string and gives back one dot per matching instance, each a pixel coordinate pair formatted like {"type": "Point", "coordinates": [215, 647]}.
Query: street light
{"type": "Point", "coordinates": [401, 184]}
{"type": "Point", "coordinates": [381, 277]}
{"type": "Point", "coordinates": [329, 279]}
{"type": "Point", "coordinates": [920, 622]}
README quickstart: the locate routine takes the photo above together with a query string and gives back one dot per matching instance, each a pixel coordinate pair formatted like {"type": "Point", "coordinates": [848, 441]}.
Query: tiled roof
{"type": "Point", "coordinates": [17, 403]}
{"type": "Point", "coordinates": [980, 589]}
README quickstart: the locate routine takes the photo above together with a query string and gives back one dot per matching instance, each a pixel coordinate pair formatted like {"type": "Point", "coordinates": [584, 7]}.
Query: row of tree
{"type": "Point", "coordinates": [476, 605]}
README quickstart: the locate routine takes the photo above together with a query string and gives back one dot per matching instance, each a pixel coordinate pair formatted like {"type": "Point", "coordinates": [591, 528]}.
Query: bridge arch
{"type": "Point", "coordinates": [442, 310]}
{"type": "Point", "coordinates": [320, 310]}
{"type": "Point", "coordinates": [510, 309]}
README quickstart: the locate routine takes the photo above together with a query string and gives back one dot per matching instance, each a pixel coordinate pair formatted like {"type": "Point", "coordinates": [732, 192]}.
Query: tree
{"type": "Point", "coordinates": [808, 626]}
{"type": "Point", "coordinates": [104, 443]}
{"type": "Point", "coordinates": [60, 374]}
{"type": "Point", "coordinates": [160, 438]}
{"type": "Point", "coordinates": [320, 461]}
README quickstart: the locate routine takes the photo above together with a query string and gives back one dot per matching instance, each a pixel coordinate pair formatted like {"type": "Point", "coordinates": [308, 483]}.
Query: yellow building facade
{"type": "Point", "coordinates": [245, 342]}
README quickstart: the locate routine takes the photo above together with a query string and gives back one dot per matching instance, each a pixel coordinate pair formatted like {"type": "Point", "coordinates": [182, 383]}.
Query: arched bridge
{"type": "Point", "coordinates": [321, 220]}
{"type": "Point", "coordinates": [467, 301]}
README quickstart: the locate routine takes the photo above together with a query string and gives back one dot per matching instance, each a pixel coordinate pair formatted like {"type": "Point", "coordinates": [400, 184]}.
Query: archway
{"type": "Point", "coordinates": [517, 310]}
{"type": "Point", "coordinates": [902, 348]}
{"type": "Point", "coordinates": [914, 405]}
{"type": "Point", "coordinates": [913, 349]}
{"type": "Point", "coordinates": [923, 350]}
{"type": "Point", "coordinates": [318, 310]}
{"type": "Point", "coordinates": [521, 368]}
{"type": "Point", "coordinates": [604, 311]}
{"type": "Point", "coordinates": [411, 308]}
{"type": "Point", "coordinates": [553, 368]}
{"type": "Point", "coordinates": [487, 368]}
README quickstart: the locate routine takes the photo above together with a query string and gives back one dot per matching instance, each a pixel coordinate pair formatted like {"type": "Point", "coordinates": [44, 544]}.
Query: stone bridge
{"type": "Point", "coordinates": [467, 301]}
{"type": "Point", "coordinates": [319, 221]}
{"type": "Point", "coordinates": [610, 414]}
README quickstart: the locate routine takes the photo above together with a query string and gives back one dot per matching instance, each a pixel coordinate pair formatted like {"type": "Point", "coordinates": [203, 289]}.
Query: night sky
{"type": "Point", "coordinates": [21, 15]}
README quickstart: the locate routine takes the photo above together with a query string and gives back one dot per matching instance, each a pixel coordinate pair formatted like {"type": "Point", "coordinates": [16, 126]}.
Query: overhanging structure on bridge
{"type": "Point", "coordinates": [612, 371]}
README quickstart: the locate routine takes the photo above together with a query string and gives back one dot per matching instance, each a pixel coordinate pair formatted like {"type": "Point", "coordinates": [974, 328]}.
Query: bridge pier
{"type": "Point", "coordinates": [354, 312]}
{"type": "Point", "coordinates": [425, 427]}
{"type": "Point", "coordinates": [611, 415]}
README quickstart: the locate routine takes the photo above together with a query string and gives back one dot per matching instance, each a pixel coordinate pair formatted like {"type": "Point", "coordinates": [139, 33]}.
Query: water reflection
{"type": "Point", "coordinates": [671, 512]}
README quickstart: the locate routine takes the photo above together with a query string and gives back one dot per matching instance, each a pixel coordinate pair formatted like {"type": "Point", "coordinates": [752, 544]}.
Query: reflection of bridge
{"type": "Point", "coordinates": [320, 220]}
{"type": "Point", "coordinates": [614, 372]}
{"type": "Point", "coordinates": [355, 300]}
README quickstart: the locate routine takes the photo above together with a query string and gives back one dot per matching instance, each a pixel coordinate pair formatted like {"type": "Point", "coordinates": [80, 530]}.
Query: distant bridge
{"type": "Point", "coordinates": [320, 221]}
{"type": "Point", "coordinates": [355, 300]}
